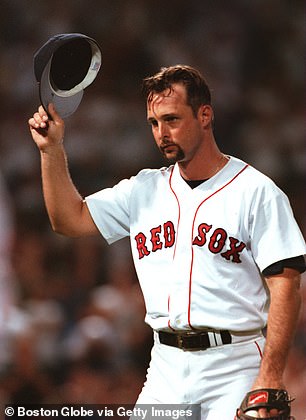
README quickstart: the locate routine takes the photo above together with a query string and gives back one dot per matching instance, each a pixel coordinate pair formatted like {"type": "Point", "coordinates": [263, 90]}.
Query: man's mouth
{"type": "Point", "coordinates": [166, 148]}
{"type": "Point", "coordinates": [172, 152]}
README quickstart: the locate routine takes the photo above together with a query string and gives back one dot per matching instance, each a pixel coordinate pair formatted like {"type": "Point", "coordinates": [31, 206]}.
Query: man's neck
{"type": "Point", "coordinates": [193, 171]}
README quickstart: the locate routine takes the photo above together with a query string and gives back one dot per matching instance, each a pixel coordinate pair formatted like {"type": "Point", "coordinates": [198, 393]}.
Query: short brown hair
{"type": "Point", "coordinates": [198, 92]}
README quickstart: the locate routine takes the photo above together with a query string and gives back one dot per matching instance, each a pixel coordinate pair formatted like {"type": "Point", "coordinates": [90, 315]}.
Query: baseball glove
{"type": "Point", "coordinates": [267, 398]}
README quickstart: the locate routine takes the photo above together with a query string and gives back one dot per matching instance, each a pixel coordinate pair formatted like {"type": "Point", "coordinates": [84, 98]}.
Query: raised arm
{"type": "Point", "coordinates": [68, 212]}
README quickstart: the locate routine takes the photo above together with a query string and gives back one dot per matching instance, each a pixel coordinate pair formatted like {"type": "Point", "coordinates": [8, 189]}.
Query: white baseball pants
{"type": "Point", "coordinates": [217, 378]}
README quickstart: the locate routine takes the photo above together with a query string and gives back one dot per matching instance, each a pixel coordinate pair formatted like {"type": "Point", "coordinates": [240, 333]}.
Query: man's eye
{"type": "Point", "coordinates": [153, 123]}
{"type": "Point", "coordinates": [171, 119]}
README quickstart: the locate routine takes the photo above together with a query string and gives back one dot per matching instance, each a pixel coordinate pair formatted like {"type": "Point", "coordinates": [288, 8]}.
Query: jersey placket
{"type": "Point", "coordinates": [179, 295]}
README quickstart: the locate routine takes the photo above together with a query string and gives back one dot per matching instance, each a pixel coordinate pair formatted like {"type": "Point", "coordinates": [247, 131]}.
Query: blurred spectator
{"type": "Point", "coordinates": [7, 290]}
{"type": "Point", "coordinates": [6, 270]}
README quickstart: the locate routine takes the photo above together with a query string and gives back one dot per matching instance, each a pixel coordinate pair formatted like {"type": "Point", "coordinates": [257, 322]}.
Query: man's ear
{"type": "Point", "coordinates": [206, 115]}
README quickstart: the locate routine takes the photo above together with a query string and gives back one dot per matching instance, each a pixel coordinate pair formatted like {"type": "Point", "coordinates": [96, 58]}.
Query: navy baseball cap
{"type": "Point", "coordinates": [64, 66]}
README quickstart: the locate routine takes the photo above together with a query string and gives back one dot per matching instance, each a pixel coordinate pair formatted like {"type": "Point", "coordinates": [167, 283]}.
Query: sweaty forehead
{"type": "Point", "coordinates": [174, 96]}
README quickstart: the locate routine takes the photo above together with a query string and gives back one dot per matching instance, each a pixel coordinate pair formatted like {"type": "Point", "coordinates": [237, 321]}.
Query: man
{"type": "Point", "coordinates": [215, 245]}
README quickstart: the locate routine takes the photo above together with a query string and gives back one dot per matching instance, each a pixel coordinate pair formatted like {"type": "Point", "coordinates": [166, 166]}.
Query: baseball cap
{"type": "Point", "coordinates": [64, 66]}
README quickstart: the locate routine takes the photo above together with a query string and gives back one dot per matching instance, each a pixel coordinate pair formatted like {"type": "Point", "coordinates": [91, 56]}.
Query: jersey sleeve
{"type": "Point", "coordinates": [109, 209]}
{"type": "Point", "coordinates": [297, 263]}
{"type": "Point", "coordinates": [274, 233]}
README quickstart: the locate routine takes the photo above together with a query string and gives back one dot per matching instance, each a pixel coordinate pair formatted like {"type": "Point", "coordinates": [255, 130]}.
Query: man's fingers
{"type": "Point", "coordinates": [42, 112]}
{"type": "Point", "coordinates": [264, 413]}
{"type": "Point", "coordinates": [47, 130]}
{"type": "Point", "coordinates": [38, 120]}
{"type": "Point", "coordinates": [33, 123]}
{"type": "Point", "coordinates": [41, 117]}
{"type": "Point", "coordinates": [54, 115]}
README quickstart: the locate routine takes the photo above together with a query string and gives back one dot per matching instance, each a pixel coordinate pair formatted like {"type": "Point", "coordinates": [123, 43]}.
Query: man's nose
{"type": "Point", "coordinates": [163, 132]}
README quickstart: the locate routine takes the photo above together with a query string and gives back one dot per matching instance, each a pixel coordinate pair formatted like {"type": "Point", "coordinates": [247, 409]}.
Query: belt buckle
{"type": "Point", "coordinates": [180, 342]}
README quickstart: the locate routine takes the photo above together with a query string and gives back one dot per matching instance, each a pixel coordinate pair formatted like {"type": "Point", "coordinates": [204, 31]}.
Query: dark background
{"type": "Point", "coordinates": [71, 323]}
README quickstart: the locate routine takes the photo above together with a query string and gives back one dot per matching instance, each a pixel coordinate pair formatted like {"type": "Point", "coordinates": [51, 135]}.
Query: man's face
{"type": "Point", "coordinates": [177, 131]}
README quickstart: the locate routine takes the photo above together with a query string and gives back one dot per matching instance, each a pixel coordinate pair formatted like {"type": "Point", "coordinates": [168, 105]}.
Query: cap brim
{"type": "Point", "coordinates": [64, 105]}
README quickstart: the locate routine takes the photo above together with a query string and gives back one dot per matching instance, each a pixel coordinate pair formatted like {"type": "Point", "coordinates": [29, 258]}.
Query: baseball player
{"type": "Point", "coordinates": [215, 245]}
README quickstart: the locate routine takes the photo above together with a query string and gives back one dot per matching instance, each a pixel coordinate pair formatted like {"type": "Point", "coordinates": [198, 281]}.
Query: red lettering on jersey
{"type": "Point", "coordinates": [200, 240]}
{"type": "Point", "coordinates": [155, 238]}
{"type": "Point", "coordinates": [233, 252]}
{"type": "Point", "coordinates": [217, 241]}
{"type": "Point", "coordinates": [169, 234]}
{"type": "Point", "coordinates": [141, 245]}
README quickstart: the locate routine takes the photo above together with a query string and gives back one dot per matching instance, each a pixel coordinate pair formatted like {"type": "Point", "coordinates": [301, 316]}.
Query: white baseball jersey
{"type": "Point", "coordinates": [199, 253]}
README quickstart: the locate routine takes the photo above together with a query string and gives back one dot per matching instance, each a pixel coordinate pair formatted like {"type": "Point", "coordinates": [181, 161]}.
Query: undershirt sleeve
{"type": "Point", "coordinates": [297, 263]}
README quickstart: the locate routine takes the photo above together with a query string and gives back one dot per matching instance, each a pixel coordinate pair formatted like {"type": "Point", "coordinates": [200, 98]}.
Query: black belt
{"type": "Point", "coordinates": [195, 340]}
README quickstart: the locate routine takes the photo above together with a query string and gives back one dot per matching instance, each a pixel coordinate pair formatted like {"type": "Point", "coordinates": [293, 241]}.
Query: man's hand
{"type": "Point", "coordinates": [264, 413]}
{"type": "Point", "coordinates": [264, 404]}
{"type": "Point", "coordinates": [47, 132]}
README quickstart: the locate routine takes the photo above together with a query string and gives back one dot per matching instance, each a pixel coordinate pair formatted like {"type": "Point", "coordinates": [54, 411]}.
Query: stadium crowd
{"type": "Point", "coordinates": [71, 311]}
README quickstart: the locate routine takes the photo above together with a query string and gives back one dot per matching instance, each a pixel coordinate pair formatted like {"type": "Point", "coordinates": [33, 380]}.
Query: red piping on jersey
{"type": "Point", "coordinates": [179, 210]}
{"type": "Point", "coordinates": [169, 325]}
{"type": "Point", "coordinates": [177, 230]}
{"type": "Point", "coordinates": [259, 349]}
{"type": "Point", "coordinates": [192, 252]}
